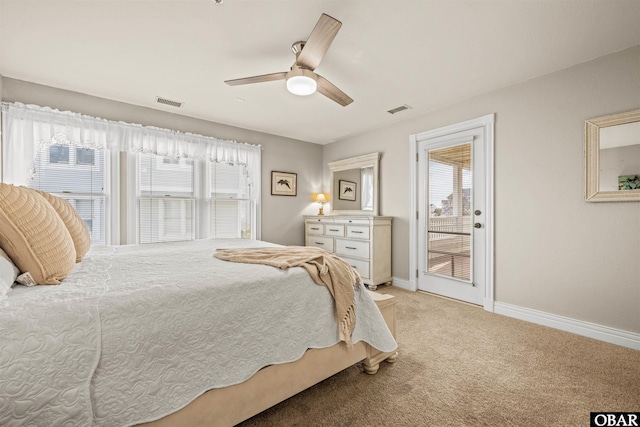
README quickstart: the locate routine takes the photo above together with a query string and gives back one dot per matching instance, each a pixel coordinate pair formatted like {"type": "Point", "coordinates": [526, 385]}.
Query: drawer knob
{"type": "Point", "coordinates": [315, 228]}
{"type": "Point", "coordinates": [319, 243]}
{"type": "Point", "coordinates": [350, 247]}
{"type": "Point", "coordinates": [333, 229]}
{"type": "Point", "coordinates": [357, 232]}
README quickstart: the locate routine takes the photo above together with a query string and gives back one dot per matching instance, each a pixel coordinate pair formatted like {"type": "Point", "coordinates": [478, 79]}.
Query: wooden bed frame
{"type": "Point", "coordinates": [229, 406]}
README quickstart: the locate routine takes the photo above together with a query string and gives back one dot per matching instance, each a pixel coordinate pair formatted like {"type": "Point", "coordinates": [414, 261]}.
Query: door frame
{"type": "Point", "coordinates": [487, 123]}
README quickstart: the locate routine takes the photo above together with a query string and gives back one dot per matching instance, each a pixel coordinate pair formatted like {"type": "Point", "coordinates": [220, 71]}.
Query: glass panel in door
{"type": "Point", "coordinates": [449, 224]}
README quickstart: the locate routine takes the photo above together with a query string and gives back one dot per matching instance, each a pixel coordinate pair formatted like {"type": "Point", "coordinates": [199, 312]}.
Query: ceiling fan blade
{"type": "Point", "coordinates": [318, 42]}
{"type": "Point", "coordinates": [257, 79]}
{"type": "Point", "coordinates": [329, 90]}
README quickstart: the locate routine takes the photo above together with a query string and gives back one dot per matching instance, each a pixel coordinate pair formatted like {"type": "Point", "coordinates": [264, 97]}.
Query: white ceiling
{"type": "Point", "coordinates": [427, 54]}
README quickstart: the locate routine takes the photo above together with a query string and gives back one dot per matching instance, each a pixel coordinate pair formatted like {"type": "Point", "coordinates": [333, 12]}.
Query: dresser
{"type": "Point", "coordinates": [362, 241]}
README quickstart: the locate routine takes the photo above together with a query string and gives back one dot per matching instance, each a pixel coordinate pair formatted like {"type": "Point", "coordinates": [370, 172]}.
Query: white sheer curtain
{"type": "Point", "coordinates": [27, 128]}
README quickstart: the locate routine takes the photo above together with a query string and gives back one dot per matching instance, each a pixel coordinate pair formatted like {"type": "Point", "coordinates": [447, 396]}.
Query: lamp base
{"type": "Point", "coordinates": [321, 211]}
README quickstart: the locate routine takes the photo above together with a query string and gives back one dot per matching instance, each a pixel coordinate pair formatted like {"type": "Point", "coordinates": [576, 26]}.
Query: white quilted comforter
{"type": "Point", "coordinates": [137, 332]}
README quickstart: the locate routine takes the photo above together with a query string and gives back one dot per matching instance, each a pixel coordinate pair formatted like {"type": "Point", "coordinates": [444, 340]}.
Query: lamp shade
{"type": "Point", "coordinates": [321, 198]}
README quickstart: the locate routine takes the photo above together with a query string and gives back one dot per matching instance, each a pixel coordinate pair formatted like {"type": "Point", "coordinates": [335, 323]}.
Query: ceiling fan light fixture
{"type": "Point", "coordinates": [301, 82]}
{"type": "Point", "coordinates": [301, 79]}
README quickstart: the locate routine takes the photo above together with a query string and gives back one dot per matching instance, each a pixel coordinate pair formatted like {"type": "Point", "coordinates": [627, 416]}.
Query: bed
{"type": "Point", "coordinates": [167, 334]}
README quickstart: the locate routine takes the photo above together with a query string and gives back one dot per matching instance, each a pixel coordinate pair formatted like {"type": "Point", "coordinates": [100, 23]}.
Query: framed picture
{"type": "Point", "coordinates": [629, 182]}
{"type": "Point", "coordinates": [347, 190]}
{"type": "Point", "coordinates": [284, 183]}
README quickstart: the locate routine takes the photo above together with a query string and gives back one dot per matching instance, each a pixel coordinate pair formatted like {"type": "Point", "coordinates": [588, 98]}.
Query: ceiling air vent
{"type": "Point", "coordinates": [168, 102]}
{"type": "Point", "coordinates": [398, 109]}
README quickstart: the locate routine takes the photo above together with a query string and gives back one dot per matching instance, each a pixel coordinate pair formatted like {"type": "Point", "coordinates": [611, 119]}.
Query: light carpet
{"type": "Point", "coordinates": [462, 366]}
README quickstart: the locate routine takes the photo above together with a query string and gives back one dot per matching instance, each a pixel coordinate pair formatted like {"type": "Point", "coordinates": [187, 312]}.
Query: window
{"type": "Point", "coordinates": [231, 207]}
{"type": "Point", "coordinates": [170, 161]}
{"type": "Point", "coordinates": [59, 154]}
{"type": "Point", "coordinates": [124, 185]}
{"type": "Point", "coordinates": [83, 187]}
{"type": "Point", "coordinates": [166, 199]}
{"type": "Point", "coordinates": [84, 156]}
{"type": "Point", "coordinates": [169, 200]}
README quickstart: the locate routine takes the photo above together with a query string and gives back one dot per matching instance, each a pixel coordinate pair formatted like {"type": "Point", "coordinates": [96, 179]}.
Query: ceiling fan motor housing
{"type": "Point", "coordinates": [297, 47]}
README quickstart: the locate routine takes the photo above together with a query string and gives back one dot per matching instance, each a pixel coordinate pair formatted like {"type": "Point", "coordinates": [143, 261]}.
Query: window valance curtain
{"type": "Point", "coordinates": [28, 128]}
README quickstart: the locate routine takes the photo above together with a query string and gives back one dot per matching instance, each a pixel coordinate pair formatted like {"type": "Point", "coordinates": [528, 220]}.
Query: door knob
{"type": "Point", "coordinates": [477, 225]}
{"type": "Point", "coordinates": [477, 212]}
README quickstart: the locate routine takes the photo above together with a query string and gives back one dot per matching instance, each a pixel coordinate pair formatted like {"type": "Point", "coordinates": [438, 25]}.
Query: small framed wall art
{"type": "Point", "coordinates": [347, 190]}
{"type": "Point", "coordinates": [629, 182]}
{"type": "Point", "coordinates": [284, 183]}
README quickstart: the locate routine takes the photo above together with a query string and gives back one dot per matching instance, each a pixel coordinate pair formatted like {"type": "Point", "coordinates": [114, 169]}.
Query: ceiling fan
{"type": "Point", "coordinates": [301, 80]}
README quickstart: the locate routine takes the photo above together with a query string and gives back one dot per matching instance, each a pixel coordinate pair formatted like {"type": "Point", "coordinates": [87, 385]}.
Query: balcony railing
{"type": "Point", "coordinates": [449, 246]}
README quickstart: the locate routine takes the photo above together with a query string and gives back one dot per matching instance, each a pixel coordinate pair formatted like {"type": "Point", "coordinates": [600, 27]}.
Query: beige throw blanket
{"type": "Point", "coordinates": [324, 268]}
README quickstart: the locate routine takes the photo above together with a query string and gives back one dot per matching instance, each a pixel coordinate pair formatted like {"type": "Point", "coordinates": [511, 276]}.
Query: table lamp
{"type": "Point", "coordinates": [321, 198]}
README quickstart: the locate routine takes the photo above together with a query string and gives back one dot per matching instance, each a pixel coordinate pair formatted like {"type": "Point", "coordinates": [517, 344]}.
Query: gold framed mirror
{"type": "Point", "coordinates": [612, 158]}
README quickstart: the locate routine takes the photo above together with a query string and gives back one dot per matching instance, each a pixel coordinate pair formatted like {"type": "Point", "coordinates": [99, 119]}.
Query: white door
{"type": "Point", "coordinates": [451, 188]}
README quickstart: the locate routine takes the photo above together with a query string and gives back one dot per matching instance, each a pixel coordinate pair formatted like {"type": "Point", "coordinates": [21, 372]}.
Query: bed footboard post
{"type": "Point", "coordinates": [387, 305]}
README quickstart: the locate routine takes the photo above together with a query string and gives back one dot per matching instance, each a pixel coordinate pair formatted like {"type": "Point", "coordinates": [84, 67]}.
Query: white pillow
{"type": "Point", "coordinates": [8, 273]}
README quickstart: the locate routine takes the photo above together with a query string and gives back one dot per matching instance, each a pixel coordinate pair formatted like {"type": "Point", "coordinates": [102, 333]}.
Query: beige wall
{"type": "Point", "coordinates": [553, 251]}
{"type": "Point", "coordinates": [282, 220]}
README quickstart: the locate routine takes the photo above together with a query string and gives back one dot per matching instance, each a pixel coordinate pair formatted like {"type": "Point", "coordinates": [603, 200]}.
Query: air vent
{"type": "Point", "coordinates": [398, 109]}
{"type": "Point", "coordinates": [169, 102]}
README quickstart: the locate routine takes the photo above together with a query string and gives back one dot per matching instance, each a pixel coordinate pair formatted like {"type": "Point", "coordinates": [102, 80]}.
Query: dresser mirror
{"type": "Point", "coordinates": [612, 158]}
{"type": "Point", "coordinates": [354, 185]}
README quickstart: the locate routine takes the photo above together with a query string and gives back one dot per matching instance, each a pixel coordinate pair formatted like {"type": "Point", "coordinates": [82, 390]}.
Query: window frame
{"type": "Point", "coordinates": [202, 197]}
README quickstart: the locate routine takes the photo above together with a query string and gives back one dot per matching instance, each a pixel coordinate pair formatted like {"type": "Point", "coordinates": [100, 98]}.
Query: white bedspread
{"type": "Point", "coordinates": [137, 332]}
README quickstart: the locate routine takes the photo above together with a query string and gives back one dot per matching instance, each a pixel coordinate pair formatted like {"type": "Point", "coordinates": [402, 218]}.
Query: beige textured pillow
{"type": "Point", "coordinates": [34, 236]}
{"type": "Point", "coordinates": [75, 225]}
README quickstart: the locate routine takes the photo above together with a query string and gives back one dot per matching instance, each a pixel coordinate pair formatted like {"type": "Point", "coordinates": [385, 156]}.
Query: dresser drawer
{"type": "Point", "coordinates": [359, 221]}
{"type": "Point", "coordinates": [314, 228]}
{"type": "Point", "coordinates": [358, 232]}
{"type": "Point", "coordinates": [334, 230]}
{"type": "Point", "coordinates": [359, 265]}
{"type": "Point", "coordinates": [352, 248]}
{"type": "Point", "coordinates": [323, 219]}
{"type": "Point", "coordinates": [320, 242]}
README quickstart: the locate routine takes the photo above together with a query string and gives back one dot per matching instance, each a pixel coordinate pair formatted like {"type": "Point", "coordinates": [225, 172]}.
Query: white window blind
{"type": "Point", "coordinates": [79, 176]}
{"type": "Point", "coordinates": [166, 199]}
{"type": "Point", "coordinates": [231, 209]}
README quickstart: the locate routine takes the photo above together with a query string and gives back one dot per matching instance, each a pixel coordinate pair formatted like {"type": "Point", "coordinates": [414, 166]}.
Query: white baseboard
{"type": "Point", "coordinates": [586, 329]}
{"type": "Point", "coordinates": [404, 284]}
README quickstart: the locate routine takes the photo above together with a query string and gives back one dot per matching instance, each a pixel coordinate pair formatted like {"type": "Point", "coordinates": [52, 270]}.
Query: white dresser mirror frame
{"type": "Point", "coordinates": [601, 134]}
{"type": "Point", "coordinates": [350, 172]}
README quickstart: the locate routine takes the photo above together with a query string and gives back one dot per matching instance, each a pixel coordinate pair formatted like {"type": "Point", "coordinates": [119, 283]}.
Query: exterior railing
{"type": "Point", "coordinates": [445, 227]}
